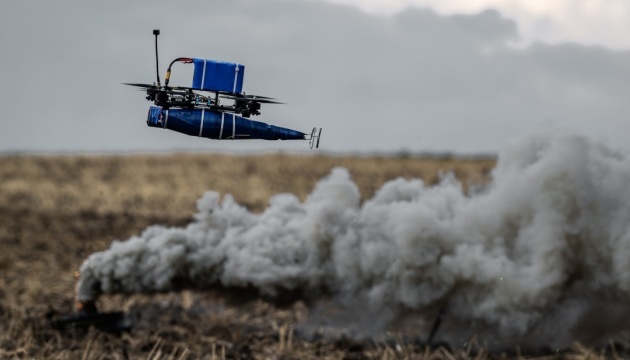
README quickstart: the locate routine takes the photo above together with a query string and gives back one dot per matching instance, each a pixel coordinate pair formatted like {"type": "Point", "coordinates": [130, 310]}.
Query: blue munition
{"type": "Point", "coordinates": [217, 125]}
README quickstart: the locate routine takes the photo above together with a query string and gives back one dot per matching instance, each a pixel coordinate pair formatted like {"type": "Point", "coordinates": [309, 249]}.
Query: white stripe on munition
{"type": "Point", "coordinates": [222, 122]}
{"type": "Point", "coordinates": [203, 113]}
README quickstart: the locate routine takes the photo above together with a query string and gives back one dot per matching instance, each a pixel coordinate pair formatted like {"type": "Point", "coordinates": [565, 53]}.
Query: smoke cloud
{"type": "Point", "coordinates": [542, 251]}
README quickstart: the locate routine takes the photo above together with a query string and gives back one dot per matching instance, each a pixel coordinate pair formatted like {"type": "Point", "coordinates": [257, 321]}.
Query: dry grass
{"type": "Point", "coordinates": [56, 210]}
{"type": "Point", "coordinates": [144, 184]}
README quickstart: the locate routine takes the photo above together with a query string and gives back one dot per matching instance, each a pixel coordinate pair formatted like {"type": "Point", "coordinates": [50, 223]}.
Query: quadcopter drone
{"type": "Point", "coordinates": [198, 111]}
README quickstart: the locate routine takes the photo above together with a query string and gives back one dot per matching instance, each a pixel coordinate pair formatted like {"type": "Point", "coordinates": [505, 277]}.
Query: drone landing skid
{"type": "Point", "coordinates": [313, 139]}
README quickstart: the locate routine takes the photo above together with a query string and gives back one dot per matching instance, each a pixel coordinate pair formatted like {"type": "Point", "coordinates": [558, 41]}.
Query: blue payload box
{"type": "Point", "coordinates": [213, 75]}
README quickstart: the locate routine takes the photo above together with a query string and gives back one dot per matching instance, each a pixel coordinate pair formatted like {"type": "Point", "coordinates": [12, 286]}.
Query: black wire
{"type": "Point", "coordinates": [182, 59]}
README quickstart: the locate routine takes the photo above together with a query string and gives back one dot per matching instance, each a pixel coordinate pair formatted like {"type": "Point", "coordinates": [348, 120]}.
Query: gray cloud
{"type": "Point", "coordinates": [416, 80]}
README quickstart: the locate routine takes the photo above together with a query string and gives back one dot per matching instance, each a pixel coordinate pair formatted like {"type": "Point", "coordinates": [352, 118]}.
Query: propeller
{"type": "Point", "coordinates": [144, 86]}
{"type": "Point", "coordinates": [245, 96]}
{"type": "Point", "coordinates": [156, 89]}
{"type": "Point", "coordinates": [184, 88]}
{"type": "Point", "coordinates": [223, 94]}
{"type": "Point", "coordinates": [254, 98]}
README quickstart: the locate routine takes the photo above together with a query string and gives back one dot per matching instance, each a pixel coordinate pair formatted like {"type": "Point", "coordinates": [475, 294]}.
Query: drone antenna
{"type": "Point", "coordinates": [157, 67]}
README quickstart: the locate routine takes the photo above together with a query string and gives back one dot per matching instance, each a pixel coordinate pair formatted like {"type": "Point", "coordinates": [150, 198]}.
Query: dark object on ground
{"type": "Point", "coordinates": [436, 326]}
{"type": "Point", "coordinates": [111, 322]}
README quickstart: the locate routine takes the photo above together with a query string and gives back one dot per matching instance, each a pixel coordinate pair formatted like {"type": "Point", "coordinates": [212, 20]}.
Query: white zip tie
{"type": "Point", "coordinates": [203, 74]}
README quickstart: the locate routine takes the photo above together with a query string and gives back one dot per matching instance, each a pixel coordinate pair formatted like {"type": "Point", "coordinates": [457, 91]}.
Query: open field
{"type": "Point", "coordinates": [56, 210]}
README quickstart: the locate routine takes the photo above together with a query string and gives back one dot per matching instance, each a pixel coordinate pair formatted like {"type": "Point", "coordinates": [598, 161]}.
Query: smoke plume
{"type": "Point", "coordinates": [543, 250]}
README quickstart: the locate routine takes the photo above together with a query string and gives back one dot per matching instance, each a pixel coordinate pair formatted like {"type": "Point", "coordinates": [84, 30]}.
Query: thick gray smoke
{"type": "Point", "coordinates": [544, 248]}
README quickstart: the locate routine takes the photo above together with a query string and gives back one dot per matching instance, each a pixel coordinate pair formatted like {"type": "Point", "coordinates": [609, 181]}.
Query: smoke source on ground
{"type": "Point", "coordinates": [542, 252]}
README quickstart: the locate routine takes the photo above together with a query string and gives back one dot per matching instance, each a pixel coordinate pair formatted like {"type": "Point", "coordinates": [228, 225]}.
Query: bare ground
{"type": "Point", "coordinates": [56, 210]}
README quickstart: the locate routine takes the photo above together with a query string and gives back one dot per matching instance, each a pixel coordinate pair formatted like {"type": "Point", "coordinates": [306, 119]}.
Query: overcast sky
{"type": "Point", "coordinates": [591, 22]}
{"type": "Point", "coordinates": [377, 75]}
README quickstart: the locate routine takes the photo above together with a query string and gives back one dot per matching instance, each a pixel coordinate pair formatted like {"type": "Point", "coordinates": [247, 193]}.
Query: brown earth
{"type": "Point", "coordinates": [56, 210]}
